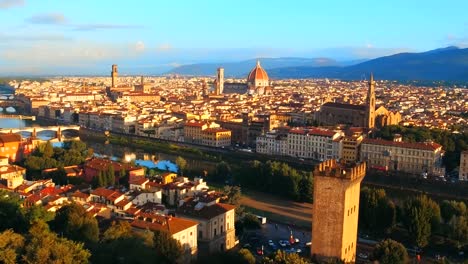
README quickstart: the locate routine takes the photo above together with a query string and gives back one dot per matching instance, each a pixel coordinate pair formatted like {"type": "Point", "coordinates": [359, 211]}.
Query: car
{"type": "Point", "coordinates": [271, 243]}
{"type": "Point", "coordinates": [260, 251]}
{"type": "Point", "coordinates": [308, 244]}
{"type": "Point", "coordinates": [247, 245]}
{"type": "Point", "coordinates": [298, 250]}
{"type": "Point", "coordinates": [363, 255]}
{"type": "Point", "coordinates": [283, 243]}
{"type": "Point", "coordinates": [296, 240]}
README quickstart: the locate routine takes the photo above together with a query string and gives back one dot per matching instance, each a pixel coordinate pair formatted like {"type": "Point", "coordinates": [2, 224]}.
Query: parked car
{"type": "Point", "coordinates": [260, 251]}
{"type": "Point", "coordinates": [363, 255]}
{"type": "Point", "coordinates": [271, 243]}
{"type": "Point", "coordinates": [282, 243]}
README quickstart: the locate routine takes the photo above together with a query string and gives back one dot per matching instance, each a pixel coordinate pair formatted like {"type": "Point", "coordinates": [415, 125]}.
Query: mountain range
{"type": "Point", "coordinates": [447, 64]}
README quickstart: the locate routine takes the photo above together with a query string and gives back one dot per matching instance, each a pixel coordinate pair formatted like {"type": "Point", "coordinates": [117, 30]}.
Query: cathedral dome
{"type": "Point", "coordinates": [257, 74]}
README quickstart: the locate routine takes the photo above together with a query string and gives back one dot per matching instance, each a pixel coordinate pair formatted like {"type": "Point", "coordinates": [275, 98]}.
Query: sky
{"type": "Point", "coordinates": [152, 36]}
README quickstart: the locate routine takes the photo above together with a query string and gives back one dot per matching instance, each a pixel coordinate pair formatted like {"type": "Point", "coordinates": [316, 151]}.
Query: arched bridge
{"type": "Point", "coordinates": [34, 130]}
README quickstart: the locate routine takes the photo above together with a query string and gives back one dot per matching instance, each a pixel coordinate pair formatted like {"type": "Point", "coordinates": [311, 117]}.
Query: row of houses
{"type": "Point", "coordinates": [352, 146]}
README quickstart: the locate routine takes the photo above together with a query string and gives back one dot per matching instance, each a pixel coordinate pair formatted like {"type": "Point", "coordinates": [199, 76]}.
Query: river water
{"type": "Point", "coordinates": [151, 160]}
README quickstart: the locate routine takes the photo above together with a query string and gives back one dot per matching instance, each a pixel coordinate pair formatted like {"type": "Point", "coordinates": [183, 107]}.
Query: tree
{"type": "Point", "coordinates": [48, 150]}
{"type": "Point", "coordinates": [419, 215]}
{"type": "Point", "coordinates": [43, 247]}
{"type": "Point", "coordinates": [233, 194]}
{"type": "Point", "coordinates": [75, 223]}
{"type": "Point", "coordinates": [449, 209]}
{"type": "Point", "coordinates": [377, 214]}
{"type": "Point", "coordinates": [37, 213]}
{"type": "Point", "coordinates": [390, 252]}
{"type": "Point", "coordinates": [458, 230]}
{"type": "Point", "coordinates": [281, 257]}
{"type": "Point", "coordinates": [245, 257]}
{"type": "Point", "coordinates": [306, 189]}
{"type": "Point", "coordinates": [11, 245]}
{"type": "Point", "coordinates": [119, 230]}
{"type": "Point", "coordinates": [251, 221]}
{"type": "Point", "coordinates": [222, 171]}
{"type": "Point", "coordinates": [181, 164]}
{"type": "Point", "coordinates": [167, 248]}
{"type": "Point", "coordinates": [110, 175]}
{"type": "Point", "coordinates": [11, 216]}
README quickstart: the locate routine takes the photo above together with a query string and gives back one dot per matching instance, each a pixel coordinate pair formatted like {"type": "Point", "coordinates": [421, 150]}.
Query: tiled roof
{"type": "Point", "coordinates": [172, 225]}
{"type": "Point", "coordinates": [206, 212]}
{"type": "Point", "coordinates": [416, 145]}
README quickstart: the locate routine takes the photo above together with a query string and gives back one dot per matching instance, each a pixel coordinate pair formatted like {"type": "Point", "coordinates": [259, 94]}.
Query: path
{"type": "Point", "coordinates": [293, 212]}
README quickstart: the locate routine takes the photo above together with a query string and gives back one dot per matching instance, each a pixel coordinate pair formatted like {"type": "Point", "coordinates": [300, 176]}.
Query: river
{"type": "Point", "coordinates": [151, 160]}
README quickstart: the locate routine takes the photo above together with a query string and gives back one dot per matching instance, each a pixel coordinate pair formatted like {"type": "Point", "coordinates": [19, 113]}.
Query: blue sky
{"type": "Point", "coordinates": [85, 36]}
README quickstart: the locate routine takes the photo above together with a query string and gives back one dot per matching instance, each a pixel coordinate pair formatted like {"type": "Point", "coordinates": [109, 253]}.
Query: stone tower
{"type": "Point", "coordinates": [370, 103]}
{"type": "Point", "coordinates": [114, 75]}
{"type": "Point", "coordinates": [220, 81]}
{"type": "Point", "coordinates": [336, 210]}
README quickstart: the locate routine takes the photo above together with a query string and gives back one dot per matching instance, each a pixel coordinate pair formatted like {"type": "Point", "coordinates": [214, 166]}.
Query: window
{"type": "Point", "coordinates": [215, 232]}
{"type": "Point", "coordinates": [200, 234]}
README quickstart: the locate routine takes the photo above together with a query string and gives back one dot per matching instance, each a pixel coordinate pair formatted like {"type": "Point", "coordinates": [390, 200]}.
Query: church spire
{"type": "Point", "coordinates": [258, 63]}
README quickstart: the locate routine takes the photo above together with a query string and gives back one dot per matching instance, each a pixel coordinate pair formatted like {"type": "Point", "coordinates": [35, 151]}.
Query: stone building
{"type": "Point", "coordinates": [358, 115]}
{"type": "Point", "coordinates": [336, 210]}
{"type": "Point", "coordinates": [463, 172]}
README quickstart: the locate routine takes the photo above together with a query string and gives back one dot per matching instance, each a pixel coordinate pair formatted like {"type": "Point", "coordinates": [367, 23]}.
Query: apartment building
{"type": "Point", "coordinates": [398, 155]}
{"type": "Point", "coordinates": [314, 143]}
{"type": "Point", "coordinates": [216, 231]}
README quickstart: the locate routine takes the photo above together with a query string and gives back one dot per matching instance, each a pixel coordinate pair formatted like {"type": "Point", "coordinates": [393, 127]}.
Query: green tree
{"type": "Point", "coordinates": [48, 150]}
{"type": "Point", "coordinates": [43, 247]}
{"type": "Point", "coordinates": [110, 175]}
{"type": "Point", "coordinates": [166, 247]}
{"type": "Point", "coordinates": [245, 257]}
{"type": "Point", "coordinates": [458, 230]}
{"type": "Point", "coordinates": [449, 209]}
{"type": "Point", "coordinates": [281, 257]}
{"type": "Point", "coordinates": [390, 252]}
{"type": "Point", "coordinates": [75, 223]}
{"type": "Point", "coordinates": [419, 214]}
{"type": "Point", "coordinates": [306, 189]}
{"type": "Point", "coordinates": [11, 215]}
{"type": "Point", "coordinates": [223, 172]}
{"type": "Point", "coordinates": [118, 230]}
{"type": "Point", "coordinates": [11, 245]}
{"type": "Point", "coordinates": [37, 213]}
{"type": "Point", "coordinates": [181, 165]}
{"type": "Point", "coordinates": [377, 214]}
{"type": "Point", "coordinates": [251, 221]}
{"type": "Point", "coordinates": [233, 195]}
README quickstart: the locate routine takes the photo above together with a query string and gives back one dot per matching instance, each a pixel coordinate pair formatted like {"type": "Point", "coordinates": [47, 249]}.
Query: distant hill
{"type": "Point", "coordinates": [242, 68]}
{"type": "Point", "coordinates": [448, 64]}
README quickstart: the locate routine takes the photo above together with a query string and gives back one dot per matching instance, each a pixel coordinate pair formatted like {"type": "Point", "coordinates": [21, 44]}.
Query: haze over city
{"type": "Point", "coordinates": [233, 132]}
{"type": "Point", "coordinates": [83, 37]}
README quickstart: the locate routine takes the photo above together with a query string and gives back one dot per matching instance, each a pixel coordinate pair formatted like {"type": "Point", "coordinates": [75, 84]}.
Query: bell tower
{"type": "Point", "coordinates": [114, 75]}
{"type": "Point", "coordinates": [370, 103]}
{"type": "Point", "coordinates": [220, 81]}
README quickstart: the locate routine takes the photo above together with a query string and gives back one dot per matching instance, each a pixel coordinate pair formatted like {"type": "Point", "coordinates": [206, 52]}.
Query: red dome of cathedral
{"type": "Point", "coordinates": [257, 74]}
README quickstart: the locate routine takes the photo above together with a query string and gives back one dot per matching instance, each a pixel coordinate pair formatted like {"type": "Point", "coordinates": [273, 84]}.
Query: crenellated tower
{"type": "Point", "coordinates": [335, 210]}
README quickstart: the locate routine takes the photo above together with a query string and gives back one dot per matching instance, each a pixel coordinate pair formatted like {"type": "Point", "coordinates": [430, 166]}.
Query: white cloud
{"type": "Point", "coordinates": [164, 47]}
{"type": "Point", "coordinates": [48, 19]}
{"type": "Point", "coordinates": [6, 4]}
{"type": "Point", "coordinates": [140, 46]}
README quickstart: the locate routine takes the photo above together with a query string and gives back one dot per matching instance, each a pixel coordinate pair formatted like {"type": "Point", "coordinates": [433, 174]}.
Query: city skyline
{"type": "Point", "coordinates": [55, 37]}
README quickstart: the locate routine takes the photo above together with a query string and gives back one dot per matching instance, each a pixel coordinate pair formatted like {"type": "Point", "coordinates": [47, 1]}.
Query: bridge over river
{"type": "Point", "coordinates": [35, 130]}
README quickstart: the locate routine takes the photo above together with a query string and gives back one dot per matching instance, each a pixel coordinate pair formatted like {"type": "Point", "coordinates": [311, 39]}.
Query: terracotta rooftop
{"type": "Point", "coordinates": [172, 225]}
{"type": "Point", "coordinates": [432, 146]}
{"type": "Point", "coordinates": [197, 210]}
